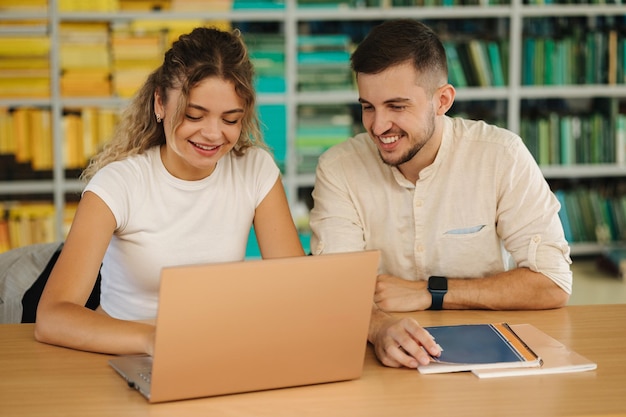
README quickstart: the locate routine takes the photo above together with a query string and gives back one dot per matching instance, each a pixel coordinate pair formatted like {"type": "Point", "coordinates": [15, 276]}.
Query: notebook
{"type": "Point", "coordinates": [557, 358]}
{"type": "Point", "coordinates": [255, 325]}
{"type": "Point", "coordinates": [468, 347]}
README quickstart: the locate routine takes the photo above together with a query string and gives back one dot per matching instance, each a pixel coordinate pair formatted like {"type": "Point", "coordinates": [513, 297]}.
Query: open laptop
{"type": "Point", "coordinates": [254, 325]}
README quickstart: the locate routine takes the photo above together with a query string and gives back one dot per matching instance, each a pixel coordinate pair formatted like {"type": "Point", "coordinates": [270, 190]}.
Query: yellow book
{"type": "Point", "coordinates": [74, 154]}
{"type": "Point", "coordinates": [126, 82]}
{"type": "Point", "coordinates": [88, 5]}
{"type": "Point", "coordinates": [144, 5]}
{"type": "Point", "coordinates": [36, 62]}
{"type": "Point", "coordinates": [86, 82]}
{"type": "Point", "coordinates": [89, 116]}
{"type": "Point", "coordinates": [7, 138]}
{"type": "Point", "coordinates": [5, 240]}
{"type": "Point", "coordinates": [135, 48]}
{"type": "Point", "coordinates": [195, 5]}
{"type": "Point", "coordinates": [74, 55]}
{"type": "Point", "coordinates": [31, 223]}
{"type": "Point", "coordinates": [612, 57]}
{"type": "Point", "coordinates": [24, 87]}
{"type": "Point", "coordinates": [42, 228]}
{"type": "Point", "coordinates": [107, 120]}
{"type": "Point", "coordinates": [29, 25]}
{"type": "Point", "coordinates": [22, 133]}
{"type": "Point", "coordinates": [84, 32]}
{"type": "Point", "coordinates": [41, 131]}
{"type": "Point", "coordinates": [19, 227]}
{"type": "Point", "coordinates": [24, 5]}
{"type": "Point", "coordinates": [20, 46]}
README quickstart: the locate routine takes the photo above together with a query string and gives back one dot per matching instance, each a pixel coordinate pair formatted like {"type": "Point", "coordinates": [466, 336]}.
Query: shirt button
{"type": "Point", "coordinates": [419, 248]}
{"type": "Point", "coordinates": [418, 203]}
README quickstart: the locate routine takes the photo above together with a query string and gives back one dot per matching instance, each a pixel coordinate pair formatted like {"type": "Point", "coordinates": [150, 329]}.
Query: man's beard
{"type": "Point", "coordinates": [408, 155]}
{"type": "Point", "coordinates": [404, 158]}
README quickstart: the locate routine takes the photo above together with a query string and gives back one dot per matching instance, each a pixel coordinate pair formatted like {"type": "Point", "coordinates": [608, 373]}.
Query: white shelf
{"type": "Point", "coordinates": [584, 171]}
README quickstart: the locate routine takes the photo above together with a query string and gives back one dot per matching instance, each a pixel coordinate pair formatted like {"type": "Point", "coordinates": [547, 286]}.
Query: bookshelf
{"type": "Point", "coordinates": [506, 23]}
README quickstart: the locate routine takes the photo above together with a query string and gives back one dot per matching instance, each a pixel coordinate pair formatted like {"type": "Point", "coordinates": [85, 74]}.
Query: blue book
{"type": "Point", "coordinates": [467, 347]}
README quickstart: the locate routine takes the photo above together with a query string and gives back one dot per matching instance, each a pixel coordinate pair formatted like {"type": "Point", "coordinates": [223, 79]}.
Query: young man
{"type": "Point", "coordinates": [459, 208]}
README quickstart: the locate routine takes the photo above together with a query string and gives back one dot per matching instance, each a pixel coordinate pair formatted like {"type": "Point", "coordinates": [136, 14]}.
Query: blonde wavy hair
{"type": "Point", "coordinates": [200, 54]}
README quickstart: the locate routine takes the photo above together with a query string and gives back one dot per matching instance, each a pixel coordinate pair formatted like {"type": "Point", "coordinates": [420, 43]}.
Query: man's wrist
{"type": "Point", "coordinates": [437, 287]}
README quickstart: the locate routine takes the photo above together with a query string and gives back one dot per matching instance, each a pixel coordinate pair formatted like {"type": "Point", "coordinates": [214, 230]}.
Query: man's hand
{"type": "Point", "coordinates": [401, 341]}
{"type": "Point", "coordinates": [397, 294]}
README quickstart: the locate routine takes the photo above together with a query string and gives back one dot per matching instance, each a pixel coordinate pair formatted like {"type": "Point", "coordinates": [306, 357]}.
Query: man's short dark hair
{"type": "Point", "coordinates": [397, 41]}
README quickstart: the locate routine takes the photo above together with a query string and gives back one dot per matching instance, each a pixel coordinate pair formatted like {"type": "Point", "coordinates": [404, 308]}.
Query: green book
{"type": "Point", "coordinates": [495, 60]}
{"type": "Point", "coordinates": [544, 141]}
{"type": "Point", "coordinates": [455, 67]}
{"type": "Point", "coordinates": [568, 155]}
{"type": "Point", "coordinates": [480, 62]}
{"type": "Point", "coordinates": [550, 61]}
{"type": "Point", "coordinates": [528, 60]}
{"type": "Point", "coordinates": [553, 135]}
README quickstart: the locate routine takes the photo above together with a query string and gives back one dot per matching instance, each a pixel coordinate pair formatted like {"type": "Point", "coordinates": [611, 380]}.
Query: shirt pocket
{"type": "Point", "coordinates": [466, 230]}
{"type": "Point", "coordinates": [470, 251]}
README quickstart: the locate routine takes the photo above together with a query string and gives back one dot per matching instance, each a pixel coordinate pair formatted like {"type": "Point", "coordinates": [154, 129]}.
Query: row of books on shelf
{"type": "Point", "coordinates": [319, 128]}
{"type": "Point", "coordinates": [566, 139]}
{"type": "Point", "coordinates": [324, 62]}
{"type": "Point", "coordinates": [554, 138]}
{"type": "Point", "coordinates": [98, 59]}
{"type": "Point", "coordinates": [26, 137]}
{"type": "Point", "coordinates": [26, 133]}
{"type": "Point", "coordinates": [26, 223]}
{"type": "Point", "coordinates": [582, 57]}
{"type": "Point", "coordinates": [477, 63]}
{"type": "Point", "coordinates": [593, 213]}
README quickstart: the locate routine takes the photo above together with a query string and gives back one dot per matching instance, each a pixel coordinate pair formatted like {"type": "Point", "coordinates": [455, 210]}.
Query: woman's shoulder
{"type": "Point", "coordinates": [133, 168]}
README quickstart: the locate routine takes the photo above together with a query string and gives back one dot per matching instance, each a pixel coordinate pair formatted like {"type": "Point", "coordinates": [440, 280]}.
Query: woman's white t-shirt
{"type": "Point", "coordinates": [165, 221]}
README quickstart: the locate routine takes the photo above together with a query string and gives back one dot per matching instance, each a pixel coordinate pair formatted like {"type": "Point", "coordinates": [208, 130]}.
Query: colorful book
{"type": "Point", "coordinates": [469, 347]}
{"type": "Point", "coordinates": [495, 60]}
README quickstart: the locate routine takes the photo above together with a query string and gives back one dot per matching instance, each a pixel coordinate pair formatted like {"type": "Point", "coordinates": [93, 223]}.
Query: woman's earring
{"type": "Point", "coordinates": [158, 117]}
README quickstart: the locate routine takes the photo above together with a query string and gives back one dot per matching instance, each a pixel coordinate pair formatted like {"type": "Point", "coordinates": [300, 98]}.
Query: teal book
{"type": "Point", "coordinates": [468, 347]}
{"type": "Point", "coordinates": [455, 67]}
{"type": "Point", "coordinates": [550, 61]}
{"type": "Point", "coordinates": [563, 215]}
{"type": "Point", "coordinates": [528, 60]}
{"type": "Point", "coordinates": [495, 60]}
{"type": "Point", "coordinates": [575, 219]}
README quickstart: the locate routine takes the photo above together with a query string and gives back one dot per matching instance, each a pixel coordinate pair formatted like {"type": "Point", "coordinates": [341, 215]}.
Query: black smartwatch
{"type": "Point", "coordinates": [437, 287]}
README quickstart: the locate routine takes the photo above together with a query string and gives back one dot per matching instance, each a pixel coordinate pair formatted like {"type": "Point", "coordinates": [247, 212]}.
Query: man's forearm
{"type": "Point", "coordinates": [518, 289]}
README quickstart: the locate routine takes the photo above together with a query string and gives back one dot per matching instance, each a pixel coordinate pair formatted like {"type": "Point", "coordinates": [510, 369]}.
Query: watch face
{"type": "Point", "coordinates": [438, 283]}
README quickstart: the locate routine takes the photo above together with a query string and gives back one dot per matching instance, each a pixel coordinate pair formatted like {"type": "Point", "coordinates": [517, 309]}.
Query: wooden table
{"type": "Point", "coordinates": [41, 380]}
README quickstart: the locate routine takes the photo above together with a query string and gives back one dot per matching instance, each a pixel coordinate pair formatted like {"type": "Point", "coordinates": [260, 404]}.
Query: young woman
{"type": "Point", "coordinates": [182, 181]}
